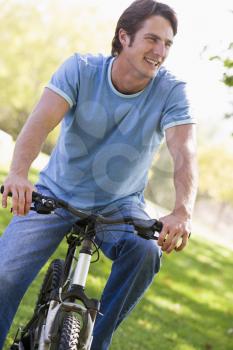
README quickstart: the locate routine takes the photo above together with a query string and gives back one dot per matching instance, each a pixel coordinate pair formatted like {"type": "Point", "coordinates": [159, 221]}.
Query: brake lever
{"type": "Point", "coordinates": [43, 206]}
{"type": "Point", "coordinates": [147, 234]}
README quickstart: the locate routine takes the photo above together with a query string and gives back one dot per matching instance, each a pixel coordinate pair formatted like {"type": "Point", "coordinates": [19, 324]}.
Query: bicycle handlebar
{"type": "Point", "coordinates": [47, 205]}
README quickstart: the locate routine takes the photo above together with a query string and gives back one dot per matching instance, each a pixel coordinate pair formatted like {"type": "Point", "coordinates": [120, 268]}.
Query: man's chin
{"type": "Point", "coordinates": [155, 72]}
{"type": "Point", "coordinates": [152, 74]}
{"type": "Point", "coordinates": [149, 73]}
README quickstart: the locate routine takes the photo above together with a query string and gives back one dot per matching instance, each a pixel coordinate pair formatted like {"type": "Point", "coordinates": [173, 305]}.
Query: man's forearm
{"type": "Point", "coordinates": [27, 148]}
{"type": "Point", "coordinates": [186, 183]}
{"type": "Point", "coordinates": [177, 225]}
{"type": "Point", "coordinates": [47, 114]}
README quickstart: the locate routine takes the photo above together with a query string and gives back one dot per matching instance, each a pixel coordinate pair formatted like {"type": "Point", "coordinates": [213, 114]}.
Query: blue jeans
{"type": "Point", "coordinates": [29, 241]}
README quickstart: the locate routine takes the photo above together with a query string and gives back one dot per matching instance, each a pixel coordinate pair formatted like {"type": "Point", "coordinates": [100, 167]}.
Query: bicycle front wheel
{"type": "Point", "coordinates": [70, 331]}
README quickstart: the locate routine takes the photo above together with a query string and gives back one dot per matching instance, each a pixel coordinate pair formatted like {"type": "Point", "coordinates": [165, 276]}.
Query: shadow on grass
{"type": "Point", "coordinates": [184, 309]}
{"type": "Point", "coordinates": [184, 312]}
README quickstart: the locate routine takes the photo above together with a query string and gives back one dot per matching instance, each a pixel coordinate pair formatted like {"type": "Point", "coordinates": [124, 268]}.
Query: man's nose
{"type": "Point", "coordinates": [160, 49]}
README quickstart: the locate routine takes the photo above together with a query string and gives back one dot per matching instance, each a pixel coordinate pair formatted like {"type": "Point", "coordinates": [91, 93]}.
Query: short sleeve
{"type": "Point", "coordinates": [65, 81]}
{"type": "Point", "coordinates": [177, 110]}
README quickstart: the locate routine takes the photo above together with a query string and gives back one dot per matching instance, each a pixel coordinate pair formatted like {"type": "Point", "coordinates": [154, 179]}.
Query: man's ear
{"type": "Point", "coordinates": [123, 37]}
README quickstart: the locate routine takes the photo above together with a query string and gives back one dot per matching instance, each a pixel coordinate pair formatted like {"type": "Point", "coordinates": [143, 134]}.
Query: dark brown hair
{"type": "Point", "coordinates": [133, 17]}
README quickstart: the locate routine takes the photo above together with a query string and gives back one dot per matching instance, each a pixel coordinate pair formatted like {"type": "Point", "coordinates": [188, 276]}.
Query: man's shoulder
{"type": "Point", "coordinates": [91, 61]}
{"type": "Point", "coordinates": [169, 79]}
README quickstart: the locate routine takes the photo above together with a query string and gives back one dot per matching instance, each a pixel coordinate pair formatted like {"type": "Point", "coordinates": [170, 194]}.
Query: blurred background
{"type": "Point", "coordinates": [36, 37]}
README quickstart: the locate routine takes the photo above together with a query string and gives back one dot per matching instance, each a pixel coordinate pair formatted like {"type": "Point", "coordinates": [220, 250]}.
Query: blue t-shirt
{"type": "Point", "coordinates": [108, 139]}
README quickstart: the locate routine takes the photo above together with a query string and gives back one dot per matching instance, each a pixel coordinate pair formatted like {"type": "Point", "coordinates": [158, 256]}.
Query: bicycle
{"type": "Point", "coordinates": [64, 316]}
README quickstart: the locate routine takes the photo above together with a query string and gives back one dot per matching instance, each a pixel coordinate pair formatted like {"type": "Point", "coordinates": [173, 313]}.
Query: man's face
{"type": "Point", "coordinates": [149, 48]}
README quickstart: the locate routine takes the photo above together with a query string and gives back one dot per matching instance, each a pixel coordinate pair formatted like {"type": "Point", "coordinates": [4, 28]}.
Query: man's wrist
{"type": "Point", "coordinates": [182, 212]}
{"type": "Point", "coordinates": [18, 172]}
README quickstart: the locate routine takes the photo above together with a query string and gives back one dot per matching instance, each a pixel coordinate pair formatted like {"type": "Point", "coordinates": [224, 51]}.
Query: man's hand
{"type": "Point", "coordinates": [176, 230]}
{"type": "Point", "coordinates": [21, 190]}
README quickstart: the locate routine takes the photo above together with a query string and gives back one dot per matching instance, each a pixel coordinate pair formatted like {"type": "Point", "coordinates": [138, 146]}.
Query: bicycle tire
{"type": "Point", "coordinates": [70, 331]}
{"type": "Point", "coordinates": [52, 280]}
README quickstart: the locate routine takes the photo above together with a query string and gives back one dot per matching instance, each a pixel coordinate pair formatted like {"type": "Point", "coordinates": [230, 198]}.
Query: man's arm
{"type": "Point", "coordinates": [181, 141]}
{"type": "Point", "coordinates": [47, 114]}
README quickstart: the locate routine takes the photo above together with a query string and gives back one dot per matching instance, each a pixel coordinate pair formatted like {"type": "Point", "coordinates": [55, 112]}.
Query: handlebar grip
{"type": "Point", "coordinates": [34, 194]}
{"type": "Point", "coordinates": [158, 226]}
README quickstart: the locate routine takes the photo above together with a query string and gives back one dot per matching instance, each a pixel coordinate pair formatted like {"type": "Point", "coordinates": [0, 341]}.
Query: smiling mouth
{"type": "Point", "coordinates": [152, 62]}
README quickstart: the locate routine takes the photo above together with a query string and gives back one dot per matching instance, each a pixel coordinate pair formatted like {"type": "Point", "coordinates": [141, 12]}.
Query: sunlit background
{"type": "Point", "coordinates": [35, 38]}
{"type": "Point", "coordinates": [205, 30]}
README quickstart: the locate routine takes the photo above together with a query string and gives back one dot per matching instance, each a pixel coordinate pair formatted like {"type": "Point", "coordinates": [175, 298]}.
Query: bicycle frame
{"type": "Point", "coordinates": [70, 296]}
{"type": "Point", "coordinates": [69, 301]}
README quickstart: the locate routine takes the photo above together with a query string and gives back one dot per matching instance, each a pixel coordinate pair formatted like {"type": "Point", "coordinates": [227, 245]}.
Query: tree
{"type": "Point", "coordinates": [227, 61]}
{"type": "Point", "coordinates": [35, 38]}
{"type": "Point", "coordinates": [215, 167]}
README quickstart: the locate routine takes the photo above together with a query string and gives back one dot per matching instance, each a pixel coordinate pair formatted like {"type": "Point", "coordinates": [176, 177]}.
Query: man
{"type": "Point", "coordinates": [115, 112]}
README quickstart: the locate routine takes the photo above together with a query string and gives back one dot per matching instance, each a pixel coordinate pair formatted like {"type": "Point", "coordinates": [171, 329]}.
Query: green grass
{"type": "Point", "coordinates": [189, 305]}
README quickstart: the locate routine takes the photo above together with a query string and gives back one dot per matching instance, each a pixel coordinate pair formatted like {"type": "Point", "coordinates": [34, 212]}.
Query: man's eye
{"type": "Point", "coordinates": [152, 40]}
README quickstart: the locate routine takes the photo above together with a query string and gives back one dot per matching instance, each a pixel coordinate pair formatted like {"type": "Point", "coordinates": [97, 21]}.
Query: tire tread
{"type": "Point", "coordinates": [69, 333]}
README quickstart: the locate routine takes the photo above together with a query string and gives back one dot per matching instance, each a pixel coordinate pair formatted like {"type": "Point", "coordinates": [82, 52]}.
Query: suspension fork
{"type": "Point", "coordinates": [83, 264]}
{"type": "Point", "coordinates": [79, 276]}
{"type": "Point", "coordinates": [76, 292]}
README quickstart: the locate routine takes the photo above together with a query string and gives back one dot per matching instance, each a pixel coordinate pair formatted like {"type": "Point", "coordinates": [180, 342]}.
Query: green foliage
{"type": "Point", "coordinates": [228, 79]}
{"type": "Point", "coordinates": [215, 165]}
{"type": "Point", "coordinates": [227, 62]}
{"type": "Point", "coordinates": [22, 69]}
{"type": "Point", "coordinates": [215, 180]}
{"type": "Point", "coordinates": [35, 38]}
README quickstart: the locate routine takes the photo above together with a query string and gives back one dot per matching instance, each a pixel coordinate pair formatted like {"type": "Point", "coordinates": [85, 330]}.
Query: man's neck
{"type": "Point", "coordinates": [126, 81]}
